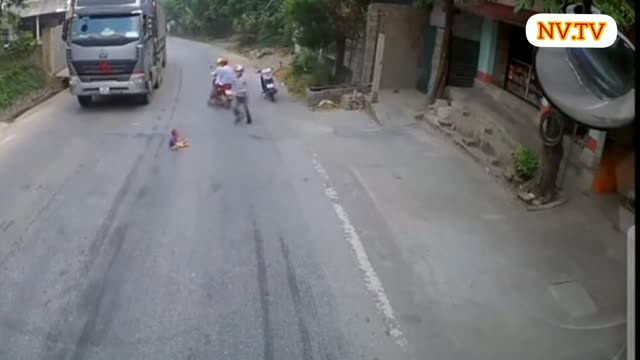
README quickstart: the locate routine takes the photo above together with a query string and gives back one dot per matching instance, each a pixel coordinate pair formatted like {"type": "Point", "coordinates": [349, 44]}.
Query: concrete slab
{"type": "Point", "coordinates": [64, 73]}
{"type": "Point", "coordinates": [399, 107]}
{"type": "Point", "coordinates": [573, 298]}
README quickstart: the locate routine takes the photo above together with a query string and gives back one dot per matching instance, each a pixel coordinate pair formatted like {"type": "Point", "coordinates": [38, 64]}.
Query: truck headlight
{"type": "Point", "coordinates": [138, 78]}
{"type": "Point", "coordinates": [74, 80]}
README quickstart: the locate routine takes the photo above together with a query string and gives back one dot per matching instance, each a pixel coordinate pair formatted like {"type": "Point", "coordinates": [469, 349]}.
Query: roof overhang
{"type": "Point", "coordinates": [498, 12]}
{"type": "Point", "coordinates": [32, 8]}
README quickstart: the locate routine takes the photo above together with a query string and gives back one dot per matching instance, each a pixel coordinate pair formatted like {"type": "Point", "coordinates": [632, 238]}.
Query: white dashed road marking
{"type": "Point", "coordinates": [373, 283]}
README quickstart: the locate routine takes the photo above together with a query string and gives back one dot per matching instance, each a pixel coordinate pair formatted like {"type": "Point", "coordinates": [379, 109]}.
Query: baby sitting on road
{"type": "Point", "coordinates": [177, 142]}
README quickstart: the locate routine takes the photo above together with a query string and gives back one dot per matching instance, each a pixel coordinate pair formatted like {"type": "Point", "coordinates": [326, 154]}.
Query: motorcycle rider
{"type": "Point", "coordinates": [241, 94]}
{"type": "Point", "coordinates": [223, 77]}
{"type": "Point", "coordinates": [214, 75]}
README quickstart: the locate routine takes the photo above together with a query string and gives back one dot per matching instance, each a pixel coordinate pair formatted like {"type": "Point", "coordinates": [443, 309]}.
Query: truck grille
{"type": "Point", "coordinates": [104, 70]}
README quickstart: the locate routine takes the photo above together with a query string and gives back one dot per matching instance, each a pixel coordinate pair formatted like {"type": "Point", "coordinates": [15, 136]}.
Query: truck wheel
{"type": "Point", "coordinates": [84, 101]}
{"type": "Point", "coordinates": [144, 99]}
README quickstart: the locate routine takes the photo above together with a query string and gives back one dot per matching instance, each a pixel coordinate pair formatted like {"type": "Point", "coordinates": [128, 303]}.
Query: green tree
{"type": "Point", "coordinates": [622, 11]}
{"type": "Point", "coordinates": [220, 17]}
{"type": "Point", "coordinates": [348, 20]}
{"type": "Point", "coordinates": [310, 22]}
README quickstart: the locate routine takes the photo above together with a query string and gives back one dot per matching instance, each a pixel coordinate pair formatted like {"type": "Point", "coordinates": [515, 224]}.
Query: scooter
{"type": "Point", "coordinates": [219, 96]}
{"type": "Point", "coordinates": [268, 84]}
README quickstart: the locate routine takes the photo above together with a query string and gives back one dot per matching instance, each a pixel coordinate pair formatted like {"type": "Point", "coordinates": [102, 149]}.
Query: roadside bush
{"type": "Point", "coordinates": [20, 48]}
{"type": "Point", "coordinates": [17, 79]}
{"type": "Point", "coordinates": [307, 64]}
{"type": "Point", "coordinates": [525, 163]}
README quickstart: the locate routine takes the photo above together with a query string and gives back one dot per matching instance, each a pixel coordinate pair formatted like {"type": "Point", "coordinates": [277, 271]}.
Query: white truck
{"type": "Point", "coordinates": [115, 47]}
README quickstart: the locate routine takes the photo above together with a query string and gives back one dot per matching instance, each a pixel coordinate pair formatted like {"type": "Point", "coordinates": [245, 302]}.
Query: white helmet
{"type": "Point", "coordinates": [239, 69]}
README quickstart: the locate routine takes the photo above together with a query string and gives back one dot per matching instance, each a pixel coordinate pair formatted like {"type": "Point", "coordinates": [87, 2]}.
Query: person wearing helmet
{"type": "Point", "coordinates": [223, 77]}
{"type": "Point", "coordinates": [241, 94]}
{"type": "Point", "coordinates": [214, 76]}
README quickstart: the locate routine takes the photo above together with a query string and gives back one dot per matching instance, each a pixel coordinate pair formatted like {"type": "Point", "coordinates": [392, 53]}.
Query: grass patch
{"type": "Point", "coordinates": [306, 70]}
{"type": "Point", "coordinates": [17, 79]}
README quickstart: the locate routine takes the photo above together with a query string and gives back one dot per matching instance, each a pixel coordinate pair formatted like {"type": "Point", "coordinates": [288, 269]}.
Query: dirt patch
{"type": "Point", "coordinates": [259, 57]}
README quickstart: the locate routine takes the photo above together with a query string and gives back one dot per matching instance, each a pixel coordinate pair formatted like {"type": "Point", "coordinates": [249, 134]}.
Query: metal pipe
{"type": "Point", "coordinates": [569, 153]}
{"type": "Point", "coordinates": [38, 29]}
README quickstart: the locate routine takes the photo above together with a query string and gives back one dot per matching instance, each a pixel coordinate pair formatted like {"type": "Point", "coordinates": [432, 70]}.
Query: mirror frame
{"type": "Point", "coordinates": [550, 101]}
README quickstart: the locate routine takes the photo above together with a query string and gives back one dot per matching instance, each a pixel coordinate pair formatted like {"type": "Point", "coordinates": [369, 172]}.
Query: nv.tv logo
{"type": "Point", "coordinates": [571, 30]}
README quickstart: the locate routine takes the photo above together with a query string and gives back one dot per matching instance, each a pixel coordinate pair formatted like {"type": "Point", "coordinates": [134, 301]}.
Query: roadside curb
{"type": "Point", "coordinates": [371, 111]}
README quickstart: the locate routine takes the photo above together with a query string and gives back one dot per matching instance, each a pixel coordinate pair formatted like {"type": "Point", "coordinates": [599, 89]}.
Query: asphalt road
{"type": "Point", "coordinates": [114, 247]}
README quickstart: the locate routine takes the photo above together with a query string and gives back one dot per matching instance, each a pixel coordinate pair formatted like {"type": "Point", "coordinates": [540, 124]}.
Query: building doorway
{"type": "Point", "coordinates": [520, 78]}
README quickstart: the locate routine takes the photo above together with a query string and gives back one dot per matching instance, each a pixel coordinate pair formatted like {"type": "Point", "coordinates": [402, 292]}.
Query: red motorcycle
{"type": "Point", "coordinates": [221, 94]}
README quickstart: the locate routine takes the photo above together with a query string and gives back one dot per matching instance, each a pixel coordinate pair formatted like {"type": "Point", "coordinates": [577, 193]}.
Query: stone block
{"type": "Point", "coordinates": [443, 123]}
{"type": "Point", "coordinates": [444, 112]}
{"type": "Point", "coordinates": [441, 103]}
{"type": "Point", "coordinates": [471, 141]}
{"type": "Point", "coordinates": [458, 105]}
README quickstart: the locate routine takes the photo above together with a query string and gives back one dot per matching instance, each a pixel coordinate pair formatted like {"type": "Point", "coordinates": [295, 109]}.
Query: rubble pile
{"type": "Point", "coordinates": [326, 105]}
{"type": "Point", "coordinates": [353, 101]}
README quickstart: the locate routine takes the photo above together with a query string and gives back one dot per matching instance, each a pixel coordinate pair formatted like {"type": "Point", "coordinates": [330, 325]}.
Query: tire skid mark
{"type": "Point", "coordinates": [94, 298]}
{"type": "Point", "coordinates": [294, 290]}
{"type": "Point", "coordinates": [103, 237]}
{"type": "Point", "coordinates": [263, 287]}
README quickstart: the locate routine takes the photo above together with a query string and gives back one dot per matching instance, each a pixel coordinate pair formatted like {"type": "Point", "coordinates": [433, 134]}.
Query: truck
{"type": "Point", "coordinates": [115, 48]}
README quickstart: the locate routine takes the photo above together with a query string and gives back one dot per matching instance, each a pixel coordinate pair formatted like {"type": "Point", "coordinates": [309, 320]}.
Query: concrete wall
{"type": "Point", "coordinates": [315, 96]}
{"type": "Point", "coordinates": [53, 50]}
{"type": "Point", "coordinates": [370, 40]}
{"type": "Point", "coordinates": [403, 27]}
{"type": "Point", "coordinates": [403, 30]}
{"type": "Point", "coordinates": [435, 61]}
{"type": "Point", "coordinates": [465, 26]}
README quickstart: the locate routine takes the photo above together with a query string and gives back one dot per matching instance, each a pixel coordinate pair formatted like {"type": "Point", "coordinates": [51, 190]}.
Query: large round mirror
{"type": "Point", "coordinates": [593, 86]}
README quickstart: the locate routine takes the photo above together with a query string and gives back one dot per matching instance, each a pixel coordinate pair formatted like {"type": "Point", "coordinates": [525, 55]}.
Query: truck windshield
{"type": "Point", "coordinates": [119, 28]}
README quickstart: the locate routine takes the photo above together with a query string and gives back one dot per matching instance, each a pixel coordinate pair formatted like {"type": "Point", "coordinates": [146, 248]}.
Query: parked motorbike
{"type": "Point", "coordinates": [268, 83]}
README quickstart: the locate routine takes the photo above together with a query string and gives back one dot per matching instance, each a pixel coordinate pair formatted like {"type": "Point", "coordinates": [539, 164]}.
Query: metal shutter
{"type": "Point", "coordinates": [463, 64]}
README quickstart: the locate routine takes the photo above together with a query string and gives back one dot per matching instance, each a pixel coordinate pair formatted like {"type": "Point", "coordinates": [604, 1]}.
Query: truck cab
{"type": "Point", "coordinates": [115, 47]}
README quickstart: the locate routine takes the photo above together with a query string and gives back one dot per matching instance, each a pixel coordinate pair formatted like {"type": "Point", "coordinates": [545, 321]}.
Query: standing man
{"type": "Point", "coordinates": [241, 95]}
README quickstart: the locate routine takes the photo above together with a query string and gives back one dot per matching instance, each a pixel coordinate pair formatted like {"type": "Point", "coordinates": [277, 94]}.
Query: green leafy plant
{"type": "Point", "coordinates": [21, 47]}
{"type": "Point", "coordinates": [525, 163]}
{"type": "Point", "coordinates": [622, 11]}
{"type": "Point", "coordinates": [307, 64]}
